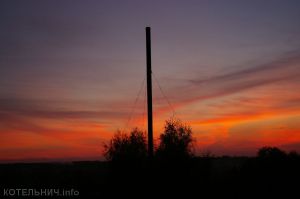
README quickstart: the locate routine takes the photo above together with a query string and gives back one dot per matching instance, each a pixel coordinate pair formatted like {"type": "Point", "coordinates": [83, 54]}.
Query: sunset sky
{"type": "Point", "coordinates": [70, 72]}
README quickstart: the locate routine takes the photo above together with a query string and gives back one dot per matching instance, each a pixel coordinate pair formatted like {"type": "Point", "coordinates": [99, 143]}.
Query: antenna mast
{"type": "Point", "coordinates": [149, 92]}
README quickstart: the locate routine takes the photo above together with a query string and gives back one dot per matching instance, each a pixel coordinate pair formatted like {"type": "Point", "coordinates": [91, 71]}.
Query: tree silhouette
{"type": "Point", "coordinates": [293, 155]}
{"type": "Point", "coordinates": [271, 153]}
{"type": "Point", "coordinates": [176, 142]}
{"type": "Point", "coordinates": [123, 147]}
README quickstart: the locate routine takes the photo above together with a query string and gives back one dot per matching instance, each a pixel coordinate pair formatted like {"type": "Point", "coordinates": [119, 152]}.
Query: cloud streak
{"type": "Point", "coordinates": [284, 69]}
{"type": "Point", "coordinates": [41, 109]}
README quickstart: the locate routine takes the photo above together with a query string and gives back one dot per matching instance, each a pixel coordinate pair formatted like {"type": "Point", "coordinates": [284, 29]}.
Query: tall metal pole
{"type": "Point", "coordinates": [149, 92]}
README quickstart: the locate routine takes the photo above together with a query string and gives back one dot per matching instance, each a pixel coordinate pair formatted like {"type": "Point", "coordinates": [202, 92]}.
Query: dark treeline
{"type": "Point", "coordinates": [235, 177]}
{"type": "Point", "coordinates": [174, 172]}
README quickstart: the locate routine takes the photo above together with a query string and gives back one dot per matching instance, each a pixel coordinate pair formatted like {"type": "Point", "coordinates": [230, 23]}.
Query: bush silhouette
{"type": "Point", "coordinates": [123, 147]}
{"type": "Point", "coordinates": [176, 141]}
{"type": "Point", "coordinates": [293, 155]}
{"type": "Point", "coordinates": [271, 153]}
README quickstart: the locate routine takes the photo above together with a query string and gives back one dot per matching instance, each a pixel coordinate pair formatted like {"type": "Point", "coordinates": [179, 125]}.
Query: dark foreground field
{"type": "Point", "coordinates": [198, 178]}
